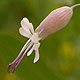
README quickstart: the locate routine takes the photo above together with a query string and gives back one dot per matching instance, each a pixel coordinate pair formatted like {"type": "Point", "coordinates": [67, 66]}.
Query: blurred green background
{"type": "Point", "coordinates": [59, 52]}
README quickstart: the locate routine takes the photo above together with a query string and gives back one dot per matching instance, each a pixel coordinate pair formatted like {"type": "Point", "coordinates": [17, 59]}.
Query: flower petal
{"type": "Point", "coordinates": [27, 25]}
{"type": "Point", "coordinates": [36, 46]}
{"type": "Point", "coordinates": [24, 33]}
{"type": "Point", "coordinates": [36, 56]}
{"type": "Point", "coordinates": [31, 28]}
{"type": "Point", "coordinates": [29, 53]}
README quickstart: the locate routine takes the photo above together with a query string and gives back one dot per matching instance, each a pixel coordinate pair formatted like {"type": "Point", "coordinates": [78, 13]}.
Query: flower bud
{"type": "Point", "coordinates": [55, 21]}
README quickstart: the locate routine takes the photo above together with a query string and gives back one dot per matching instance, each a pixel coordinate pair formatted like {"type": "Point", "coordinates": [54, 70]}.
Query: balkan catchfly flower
{"type": "Point", "coordinates": [55, 21]}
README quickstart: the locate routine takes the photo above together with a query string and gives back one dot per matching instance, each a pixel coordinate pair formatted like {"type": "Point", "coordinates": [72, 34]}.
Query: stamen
{"type": "Point", "coordinates": [22, 50]}
{"type": "Point", "coordinates": [12, 66]}
{"type": "Point", "coordinates": [24, 54]}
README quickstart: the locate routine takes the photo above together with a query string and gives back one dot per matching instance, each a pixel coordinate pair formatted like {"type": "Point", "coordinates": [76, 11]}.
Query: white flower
{"type": "Point", "coordinates": [27, 31]}
{"type": "Point", "coordinates": [55, 21]}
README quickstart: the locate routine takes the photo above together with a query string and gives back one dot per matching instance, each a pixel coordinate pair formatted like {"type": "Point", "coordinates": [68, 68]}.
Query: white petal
{"type": "Point", "coordinates": [36, 46]}
{"type": "Point", "coordinates": [29, 53]}
{"type": "Point", "coordinates": [27, 25]}
{"type": "Point", "coordinates": [31, 27]}
{"type": "Point", "coordinates": [36, 56]}
{"type": "Point", "coordinates": [24, 33]}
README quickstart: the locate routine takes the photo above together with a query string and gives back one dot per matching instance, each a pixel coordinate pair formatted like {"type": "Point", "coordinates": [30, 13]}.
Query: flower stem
{"type": "Point", "coordinates": [75, 6]}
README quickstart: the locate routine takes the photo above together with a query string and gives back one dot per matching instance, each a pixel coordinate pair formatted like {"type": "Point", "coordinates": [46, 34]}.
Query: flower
{"type": "Point", "coordinates": [55, 21]}
{"type": "Point", "coordinates": [27, 31]}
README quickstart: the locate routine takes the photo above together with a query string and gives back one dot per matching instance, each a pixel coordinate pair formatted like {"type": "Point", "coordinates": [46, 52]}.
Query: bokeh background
{"type": "Point", "coordinates": [59, 52]}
